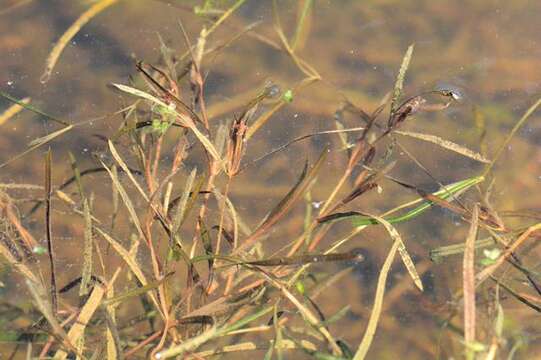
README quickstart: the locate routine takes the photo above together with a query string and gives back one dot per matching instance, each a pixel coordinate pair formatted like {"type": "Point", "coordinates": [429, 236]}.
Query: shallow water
{"type": "Point", "coordinates": [487, 52]}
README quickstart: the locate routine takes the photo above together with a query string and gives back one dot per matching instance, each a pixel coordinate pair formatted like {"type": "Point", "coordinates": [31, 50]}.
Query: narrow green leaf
{"type": "Point", "coordinates": [450, 192]}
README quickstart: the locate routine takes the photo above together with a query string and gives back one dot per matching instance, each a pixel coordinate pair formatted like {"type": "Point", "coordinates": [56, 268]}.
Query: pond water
{"type": "Point", "coordinates": [486, 54]}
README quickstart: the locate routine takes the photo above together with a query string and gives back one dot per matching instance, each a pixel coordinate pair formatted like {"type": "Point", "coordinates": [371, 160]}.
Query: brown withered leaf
{"type": "Point", "coordinates": [306, 178]}
{"type": "Point", "coordinates": [236, 145]}
{"type": "Point", "coordinates": [408, 108]}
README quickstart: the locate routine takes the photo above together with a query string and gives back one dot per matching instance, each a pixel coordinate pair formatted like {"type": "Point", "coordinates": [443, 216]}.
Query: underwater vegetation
{"type": "Point", "coordinates": [222, 210]}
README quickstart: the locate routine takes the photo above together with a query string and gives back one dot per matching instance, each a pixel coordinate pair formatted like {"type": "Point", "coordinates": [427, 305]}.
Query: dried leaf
{"type": "Point", "coordinates": [406, 259]}
{"type": "Point", "coordinates": [48, 227]}
{"type": "Point", "coordinates": [446, 144]}
{"type": "Point", "coordinates": [185, 120]}
{"type": "Point", "coordinates": [399, 84]}
{"type": "Point", "coordinates": [287, 202]}
{"type": "Point", "coordinates": [77, 330]}
{"type": "Point", "coordinates": [368, 337]}
{"type": "Point", "coordinates": [126, 199]}
{"type": "Point", "coordinates": [87, 252]}
{"type": "Point", "coordinates": [182, 208]}
{"type": "Point", "coordinates": [70, 33]}
{"type": "Point", "coordinates": [468, 279]}
{"type": "Point", "coordinates": [126, 170]}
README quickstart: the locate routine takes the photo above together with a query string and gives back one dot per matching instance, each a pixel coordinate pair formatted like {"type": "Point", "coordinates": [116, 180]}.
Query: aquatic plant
{"type": "Point", "coordinates": [170, 267]}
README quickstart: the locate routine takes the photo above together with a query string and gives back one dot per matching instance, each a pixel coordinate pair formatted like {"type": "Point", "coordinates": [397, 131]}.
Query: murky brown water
{"type": "Point", "coordinates": [489, 50]}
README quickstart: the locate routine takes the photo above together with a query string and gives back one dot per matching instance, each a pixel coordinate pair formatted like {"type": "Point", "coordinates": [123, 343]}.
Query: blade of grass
{"type": "Point", "coordinates": [517, 295]}
{"type": "Point", "coordinates": [399, 84]}
{"type": "Point", "coordinates": [306, 178]}
{"type": "Point", "coordinates": [76, 332]}
{"type": "Point", "coordinates": [233, 214]}
{"type": "Point", "coordinates": [303, 66]}
{"type": "Point", "coordinates": [352, 255]}
{"type": "Point", "coordinates": [135, 292]}
{"type": "Point", "coordinates": [114, 198]}
{"type": "Point", "coordinates": [13, 110]}
{"type": "Point", "coordinates": [87, 251]}
{"type": "Point", "coordinates": [303, 24]}
{"type": "Point", "coordinates": [29, 107]}
{"type": "Point", "coordinates": [76, 174]}
{"type": "Point", "coordinates": [14, 6]}
{"type": "Point", "coordinates": [182, 207]}
{"type": "Point", "coordinates": [49, 229]}
{"type": "Point", "coordinates": [36, 143]}
{"type": "Point", "coordinates": [217, 332]}
{"type": "Point", "coordinates": [188, 345]}
{"type": "Point", "coordinates": [368, 337]}
{"type": "Point", "coordinates": [85, 17]}
{"type": "Point", "coordinates": [114, 350]}
{"type": "Point", "coordinates": [517, 126]}
{"type": "Point", "coordinates": [446, 144]}
{"type": "Point", "coordinates": [247, 346]}
{"type": "Point", "coordinates": [127, 201]}
{"type": "Point", "coordinates": [126, 170]}
{"type": "Point", "coordinates": [278, 337]}
{"type": "Point", "coordinates": [186, 121]}
{"type": "Point", "coordinates": [406, 258]}
{"type": "Point", "coordinates": [440, 252]}
{"type": "Point", "coordinates": [38, 294]}
{"type": "Point", "coordinates": [307, 315]}
{"type": "Point", "coordinates": [224, 17]}
{"type": "Point", "coordinates": [468, 283]}
{"type": "Point", "coordinates": [489, 270]}
{"type": "Point", "coordinates": [130, 261]}
{"type": "Point", "coordinates": [449, 193]}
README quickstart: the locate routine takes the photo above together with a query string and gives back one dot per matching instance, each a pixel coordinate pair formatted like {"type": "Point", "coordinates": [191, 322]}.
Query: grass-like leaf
{"type": "Point", "coordinates": [13, 110]}
{"type": "Point", "coordinates": [77, 330]}
{"type": "Point", "coordinates": [126, 170]}
{"type": "Point", "coordinates": [186, 121]}
{"type": "Point", "coordinates": [517, 126]}
{"type": "Point", "coordinates": [399, 84]}
{"type": "Point", "coordinates": [406, 258]}
{"type": "Point", "coordinates": [36, 143]}
{"type": "Point", "coordinates": [70, 33]}
{"type": "Point", "coordinates": [446, 144]}
{"type": "Point", "coordinates": [126, 199]}
{"type": "Point", "coordinates": [468, 281]}
{"type": "Point", "coordinates": [287, 202]}
{"type": "Point", "coordinates": [368, 337]}
{"type": "Point", "coordinates": [87, 251]}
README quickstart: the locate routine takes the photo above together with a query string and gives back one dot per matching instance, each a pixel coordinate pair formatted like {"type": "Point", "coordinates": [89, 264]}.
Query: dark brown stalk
{"type": "Point", "coordinates": [355, 254]}
{"type": "Point", "coordinates": [48, 228]}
